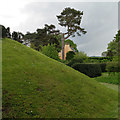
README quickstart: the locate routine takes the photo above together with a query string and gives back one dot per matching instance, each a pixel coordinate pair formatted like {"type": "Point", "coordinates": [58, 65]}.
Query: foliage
{"type": "Point", "coordinates": [109, 78]}
{"type": "Point", "coordinates": [98, 59]}
{"type": "Point", "coordinates": [110, 53]}
{"type": "Point", "coordinates": [44, 36]}
{"type": "Point", "coordinates": [5, 32]}
{"type": "Point", "coordinates": [103, 67]}
{"type": "Point", "coordinates": [70, 55]}
{"type": "Point", "coordinates": [73, 61]}
{"type": "Point", "coordinates": [91, 70]}
{"type": "Point", "coordinates": [32, 46]}
{"type": "Point", "coordinates": [78, 58]}
{"type": "Point", "coordinates": [50, 51]}
{"type": "Point", "coordinates": [71, 19]}
{"type": "Point", "coordinates": [81, 55]}
{"type": "Point", "coordinates": [72, 44]}
{"type": "Point", "coordinates": [115, 59]}
{"type": "Point", "coordinates": [29, 37]}
{"type": "Point", "coordinates": [18, 36]}
{"type": "Point", "coordinates": [104, 54]}
{"type": "Point", "coordinates": [113, 67]}
{"type": "Point", "coordinates": [113, 46]}
{"type": "Point", "coordinates": [36, 86]}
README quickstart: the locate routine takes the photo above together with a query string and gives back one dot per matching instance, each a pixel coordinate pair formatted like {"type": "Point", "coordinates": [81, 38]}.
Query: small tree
{"type": "Point", "coordinates": [78, 58]}
{"type": "Point", "coordinates": [70, 55]}
{"type": "Point", "coordinates": [71, 19]}
{"type": "Point", "coordinates": [112, 67]}
{"type": "Point", "coordinates": [50, 51]}
{"type": "Point", "coordinates": [17, 36]}
{"type": "Point", "coordinates": [8, 32]}
{"type": "Point", "coordinates": [3, 31]}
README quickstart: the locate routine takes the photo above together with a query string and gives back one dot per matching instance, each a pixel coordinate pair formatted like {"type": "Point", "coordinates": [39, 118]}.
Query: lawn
{"type": "Point", "coordinates": [35, 86]}
{"type": "Point", "coordinates": [108, 78]}
{"type": "Point", "coordinates": [0, 78]}
{"type": "Point", "coordinates": [112, 86]}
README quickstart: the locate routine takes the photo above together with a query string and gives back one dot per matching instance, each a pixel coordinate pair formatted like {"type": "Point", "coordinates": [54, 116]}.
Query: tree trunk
{"type": "Point", "coordinates": [63, 46]}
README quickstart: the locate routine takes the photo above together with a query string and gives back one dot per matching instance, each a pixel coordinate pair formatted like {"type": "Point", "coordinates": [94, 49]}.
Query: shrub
{"type": "Point", "coordinates": [113, 67]}
{"type": "Point", "coordinates": [78, 58]}
{"type": "Point", "coordinates": [70, 55]}
{"type": "Point", "coordinates": [74, 60]}
{"type": "Point", "coordinates": [81, 55]}
{"type": "Point", "coordinates": [91, 70]}
{"type": "Point", "coordinates": [98, 59]}
{"type": "Point", "coordinates": [50, 51]}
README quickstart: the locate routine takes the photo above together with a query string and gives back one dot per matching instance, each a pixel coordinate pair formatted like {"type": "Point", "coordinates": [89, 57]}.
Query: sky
{"type": "Point", "coordinates": [100, 19]}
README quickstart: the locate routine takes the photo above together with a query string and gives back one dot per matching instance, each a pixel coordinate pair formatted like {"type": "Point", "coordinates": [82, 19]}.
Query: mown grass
{"type": "Point", "coordinates": [35, 86]}
{"type": "Point", "coordinates": [108, 78]}
{"type": "Point", "coordinates": [0, 79]}
{"type": "Point", "coordinates": [112, 86]}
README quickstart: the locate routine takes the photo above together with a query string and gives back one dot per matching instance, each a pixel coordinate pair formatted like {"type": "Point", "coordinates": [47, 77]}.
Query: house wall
{"type": "Point", "coordinates": [67, 49]}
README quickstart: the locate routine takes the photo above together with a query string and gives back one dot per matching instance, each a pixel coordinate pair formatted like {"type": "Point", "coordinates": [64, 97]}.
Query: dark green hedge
{"type": "Point", "coordinates": [99, 59]}
{"type": "Point", "coordinates": [91, 70]}
{"type": "Point", "coordinates": [75, 61]}
{"type": "Point", "coordinates": [103, 67]}
{"type": "Point", "coordinates": [70, 55]}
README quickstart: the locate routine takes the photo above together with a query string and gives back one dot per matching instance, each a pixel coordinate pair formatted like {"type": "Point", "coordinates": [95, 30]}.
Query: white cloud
{"type": "Point", "coordinates": [99, 19]}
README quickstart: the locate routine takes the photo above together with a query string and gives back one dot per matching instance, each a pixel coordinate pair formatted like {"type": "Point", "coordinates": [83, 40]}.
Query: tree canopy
{"type": "Point", "coordinates": [44, 36]}
{"type": "Point", "coordinates": [71, 19]}
{"type": "Point", "coordinates": [18, 36]}
{"type": "Point", "coordinates": [72, 44]}
{"type": "Point", "coordinates": [113, 46]}
{"type": "Point", "coordinates": [5, 32]}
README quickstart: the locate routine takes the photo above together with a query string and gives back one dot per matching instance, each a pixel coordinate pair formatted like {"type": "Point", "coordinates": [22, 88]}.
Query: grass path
{"type": "Point", "coordinates": [106, 78]}
{"type": "Point", "coordinates": [112, 86]}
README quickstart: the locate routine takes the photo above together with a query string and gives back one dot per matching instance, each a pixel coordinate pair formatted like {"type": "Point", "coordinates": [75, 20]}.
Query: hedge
{"type": "Point", "coordinates": [99, 59]}
{"type": "Point", "coordinates": [103, 67]}
{"type": "Point", "coordinates": [75, 61]}
{"type": "Point", "coordinates": [91, 70]}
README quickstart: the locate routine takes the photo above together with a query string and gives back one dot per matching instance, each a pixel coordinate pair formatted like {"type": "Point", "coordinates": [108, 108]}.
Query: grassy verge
{"type": "Point", "coordinates": [106, 78]}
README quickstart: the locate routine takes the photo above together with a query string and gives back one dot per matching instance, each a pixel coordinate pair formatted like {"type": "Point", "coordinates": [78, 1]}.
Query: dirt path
{"type": "Point", "coordinates": [112, 86]}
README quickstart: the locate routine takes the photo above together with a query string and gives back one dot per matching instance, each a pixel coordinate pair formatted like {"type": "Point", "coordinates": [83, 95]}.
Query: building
{"type": "Point", "coordinates": [67, 48]}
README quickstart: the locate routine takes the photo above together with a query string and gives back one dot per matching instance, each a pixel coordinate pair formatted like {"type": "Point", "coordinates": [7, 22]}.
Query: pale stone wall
{"type": "Point", "coordinates": [67, 49]}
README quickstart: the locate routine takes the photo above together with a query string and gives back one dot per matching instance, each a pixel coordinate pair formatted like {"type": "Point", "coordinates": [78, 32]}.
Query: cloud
{"type": "Point", "coordinates": [99, 20]}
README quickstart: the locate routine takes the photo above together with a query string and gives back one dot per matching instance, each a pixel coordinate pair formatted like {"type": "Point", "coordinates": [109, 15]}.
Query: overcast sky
{"type": "Point", "coordinates": [100, 20]}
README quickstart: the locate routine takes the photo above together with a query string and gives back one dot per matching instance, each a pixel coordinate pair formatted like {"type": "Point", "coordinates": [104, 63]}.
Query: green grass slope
{"type": "Point", "coordinates": [35, 86]}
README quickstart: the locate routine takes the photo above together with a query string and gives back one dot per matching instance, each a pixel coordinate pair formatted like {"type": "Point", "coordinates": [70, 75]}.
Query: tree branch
{"type": "Point", "coordinates": [66, 33]}
{"type": "Point", "coordinates": [67, 36]}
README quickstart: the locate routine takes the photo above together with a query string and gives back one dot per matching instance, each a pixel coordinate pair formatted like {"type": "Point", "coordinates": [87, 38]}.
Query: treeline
{"type": "Point", "coordinates": [42, 37]}
{"type": "Point", "coordinates": [5, 33]}
{"type": "Point", "coordinates": [113, 48]}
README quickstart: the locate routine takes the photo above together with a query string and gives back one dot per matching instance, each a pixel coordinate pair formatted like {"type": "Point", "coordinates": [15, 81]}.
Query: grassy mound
{"type": "Point", "coordinates": [35, 86]}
